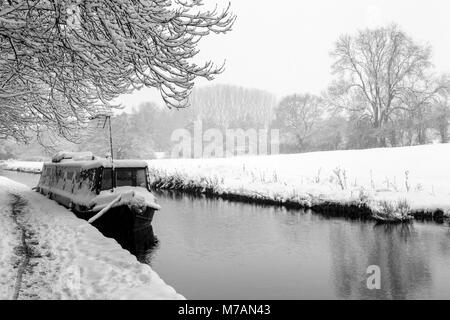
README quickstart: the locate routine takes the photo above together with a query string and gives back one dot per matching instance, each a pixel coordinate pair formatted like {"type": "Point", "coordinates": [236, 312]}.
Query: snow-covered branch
{"type": "Point", "coordinates": [60, 61]}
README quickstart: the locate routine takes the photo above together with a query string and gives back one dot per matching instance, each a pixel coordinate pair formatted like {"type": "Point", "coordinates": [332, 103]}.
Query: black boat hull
{"type": "Point", "coordinates": [132, 230]}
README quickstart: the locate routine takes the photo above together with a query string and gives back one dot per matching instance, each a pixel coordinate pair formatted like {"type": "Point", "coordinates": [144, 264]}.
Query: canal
{"type": "Point", "coordinates": [217, 249]}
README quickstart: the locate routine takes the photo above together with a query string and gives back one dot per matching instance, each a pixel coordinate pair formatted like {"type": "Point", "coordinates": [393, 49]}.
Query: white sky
{"type": "Point", "coordinates": [284, 48]}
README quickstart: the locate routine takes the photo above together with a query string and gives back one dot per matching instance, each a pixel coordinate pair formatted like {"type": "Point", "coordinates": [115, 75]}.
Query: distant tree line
{"type": "Point", "coordinates": [146, 131]}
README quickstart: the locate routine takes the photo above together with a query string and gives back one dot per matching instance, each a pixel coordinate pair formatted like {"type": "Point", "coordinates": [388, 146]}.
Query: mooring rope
{"type": "Point", "coordinates": [105, 209]}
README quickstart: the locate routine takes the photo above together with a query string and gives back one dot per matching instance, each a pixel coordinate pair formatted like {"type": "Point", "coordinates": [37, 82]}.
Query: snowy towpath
{"type": "Point", "coordinates": [48, 253]}
{"type": "Point", "coordinates": [24, 249]}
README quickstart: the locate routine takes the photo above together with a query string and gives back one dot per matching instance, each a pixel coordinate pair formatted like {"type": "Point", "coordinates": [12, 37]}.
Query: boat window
{"type": "Point", "coordinates": [141, 180]}
{"type": "Point", "coordinates": [124, 177]}
{"type": "Point", "coordinates": [134, 177]}
{"type": "Point", "coordinates": [106, 179]}
{"type": "Point", "coordinates": [131, 177]}
{"type": "Point", "coordinates": [77, 175]}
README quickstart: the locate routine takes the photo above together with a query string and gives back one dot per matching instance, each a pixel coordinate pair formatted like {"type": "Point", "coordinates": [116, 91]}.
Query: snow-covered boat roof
{"type": "Point", "coordinates": [99, 162]}
{"type": "Point", "coordinates": [86, 160]}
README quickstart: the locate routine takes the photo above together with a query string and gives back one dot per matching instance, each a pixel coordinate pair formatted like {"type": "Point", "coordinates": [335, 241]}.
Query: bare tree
{"type": "Point", "coordinates": [382, 71]}
{"type": "Point", "coordinates": [298, 115]}
{"type": "Point", "coordinates": [62, 61]}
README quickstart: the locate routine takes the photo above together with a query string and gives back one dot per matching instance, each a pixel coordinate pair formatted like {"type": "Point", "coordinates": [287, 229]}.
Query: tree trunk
{"type": "Point", "coordinates": [378, 136]}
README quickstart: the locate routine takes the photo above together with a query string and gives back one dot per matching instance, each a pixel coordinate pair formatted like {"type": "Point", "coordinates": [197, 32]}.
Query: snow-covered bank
{"type": "Point", "coordinates": [385, 181]}
{"type": "Point", "coordinates": [22, 166]}
{"type": "Point", "coordinates": [376, 181]}
{"type": "Point", "coordinates": [70, 258]}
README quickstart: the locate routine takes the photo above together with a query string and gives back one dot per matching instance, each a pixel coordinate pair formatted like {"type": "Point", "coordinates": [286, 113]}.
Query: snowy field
{"type": "Point", "coordinates": [388, 181]}
{"type": "Point", "coordinates": [23, 166]}
{"type": "Point", "coordinates": [394, 180]}
{"type": "Point", "coordinates": [48, 253]}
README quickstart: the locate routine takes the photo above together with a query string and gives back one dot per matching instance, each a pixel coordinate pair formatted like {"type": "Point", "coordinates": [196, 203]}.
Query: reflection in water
{"type": "Point", "coordinates": [216, 249]}
{"type": "Point", "coordinates": [404, 230]}
{"type": "Point", "coordinates": [235, 250]}
{"type": "Point", "coordinates": [150, 254]}
{"type": "Point", "coordinates": [396, 249]}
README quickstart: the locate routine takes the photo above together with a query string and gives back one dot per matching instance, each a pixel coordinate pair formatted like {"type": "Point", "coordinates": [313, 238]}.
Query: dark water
{"type": "Point", "coordinates": [212, 249]}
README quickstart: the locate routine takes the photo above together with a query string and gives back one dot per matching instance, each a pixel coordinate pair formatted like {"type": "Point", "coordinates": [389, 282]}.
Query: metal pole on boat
{"type": "Point", "coordinates": [108, 118]}
{"type": "Point", "coordinates": [112, 154]}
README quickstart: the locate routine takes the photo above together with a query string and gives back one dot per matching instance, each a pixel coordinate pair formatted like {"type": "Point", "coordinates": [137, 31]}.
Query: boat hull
{"type": "Point", "coordinates": [132, 230]}
{"type": "Point", "coordinates": [87, 185]}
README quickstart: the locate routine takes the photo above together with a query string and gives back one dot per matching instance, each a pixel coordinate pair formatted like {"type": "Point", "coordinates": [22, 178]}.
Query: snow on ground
{"type": "Point", "coordinates": [25, 166]}
{"type": "Point", "coordinates": [416, 179]}
{"type": "Point", "coordinates": [69, 258]}
{"type": "Point", "coordinates": [9, 240]}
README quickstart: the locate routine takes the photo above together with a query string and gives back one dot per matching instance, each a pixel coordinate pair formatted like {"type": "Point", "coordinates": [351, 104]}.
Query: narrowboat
{"type": "Point", "coordinates": [112, 195]}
